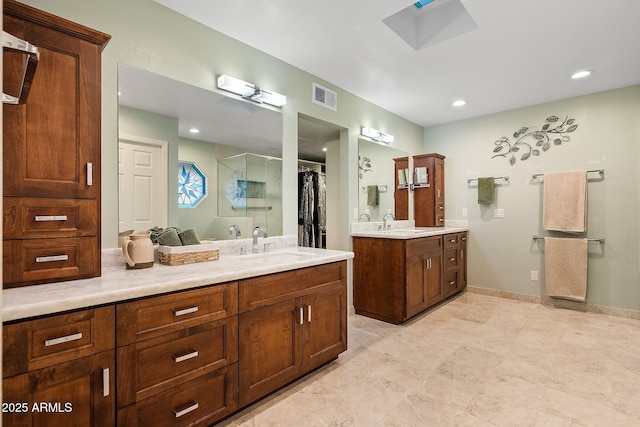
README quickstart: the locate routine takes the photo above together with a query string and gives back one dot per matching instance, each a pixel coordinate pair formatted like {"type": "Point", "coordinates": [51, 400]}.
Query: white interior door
{"type": "Point", "coordinates": [142, 183]}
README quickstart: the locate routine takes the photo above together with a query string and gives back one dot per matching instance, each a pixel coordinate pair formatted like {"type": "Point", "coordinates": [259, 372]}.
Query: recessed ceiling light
{"type": "Point", "coordinates": [324, 149]}
{"type": "Point", "coordinates": [194, 130]}
{"type": "Point", "coordinates": [580, 74]}
{"type": "Point", "coordinates": [459, 103]}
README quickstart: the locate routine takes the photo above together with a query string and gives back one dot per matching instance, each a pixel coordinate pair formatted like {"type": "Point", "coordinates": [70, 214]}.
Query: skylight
{"type": "Point", "coordinates": [421, 3]}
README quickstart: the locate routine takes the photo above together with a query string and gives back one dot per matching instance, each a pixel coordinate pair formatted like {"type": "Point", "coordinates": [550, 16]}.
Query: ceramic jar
{"type": "Point", "coordinates": [138, 250]}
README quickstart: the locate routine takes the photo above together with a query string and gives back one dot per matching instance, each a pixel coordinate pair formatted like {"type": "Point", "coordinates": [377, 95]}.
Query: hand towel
{"type": "Point", "coordinates": [565, 263]}
{"type": "Point", "coordinates": [485, 190]}
{"type": "Point", "coordinates": [372, 195]}
{"type": "Point", "coordinates": [169, 237]}
{"type": "Point", "coordinates": [189, 237]}
{"type": "Point", "coordinates": [565, 201]}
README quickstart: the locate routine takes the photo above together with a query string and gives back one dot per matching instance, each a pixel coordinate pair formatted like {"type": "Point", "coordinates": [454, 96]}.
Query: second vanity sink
{"type": "Point", "coordinates": [275, 257]}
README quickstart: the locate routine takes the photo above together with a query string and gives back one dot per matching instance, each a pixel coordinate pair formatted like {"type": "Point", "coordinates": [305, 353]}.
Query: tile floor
{"type": "Point", "coordinates": [474, 361]}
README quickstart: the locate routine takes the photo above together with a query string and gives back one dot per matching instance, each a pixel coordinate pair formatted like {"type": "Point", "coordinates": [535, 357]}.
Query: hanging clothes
{"type": "Point", "coordinates": [308, 230]}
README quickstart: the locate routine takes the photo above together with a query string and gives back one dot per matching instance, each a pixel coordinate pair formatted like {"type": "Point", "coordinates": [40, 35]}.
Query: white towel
{"type": "Point", "coordinates": [565, 264]}
{"type": "Point", "coordinates": [565, 201]}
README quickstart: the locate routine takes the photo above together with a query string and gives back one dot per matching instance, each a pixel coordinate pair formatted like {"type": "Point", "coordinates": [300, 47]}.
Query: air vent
{"type": "Point", "coordinates": [325, 97]}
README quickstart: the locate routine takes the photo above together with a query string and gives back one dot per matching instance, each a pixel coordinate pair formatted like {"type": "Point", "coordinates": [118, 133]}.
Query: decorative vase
{"type": "Point", "coordinates": [138, 250]}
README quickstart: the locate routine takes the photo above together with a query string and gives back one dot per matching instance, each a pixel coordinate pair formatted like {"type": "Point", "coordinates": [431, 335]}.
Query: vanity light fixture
{"type": "Point", "coordinates": [376, 135]}
{"type": "Point", "coordinates": [459, 103]}
{"type": "Point", "coordinates": [250, 91]}
{"type": "Point", "coordinates": [581, 74]}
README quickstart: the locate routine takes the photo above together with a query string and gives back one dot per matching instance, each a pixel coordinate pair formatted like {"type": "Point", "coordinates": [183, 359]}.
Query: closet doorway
{"type": "Point", "coordinates": [318, 170]}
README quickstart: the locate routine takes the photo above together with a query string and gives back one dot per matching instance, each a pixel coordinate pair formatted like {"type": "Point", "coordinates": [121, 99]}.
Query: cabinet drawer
{"type": "Point", "coordinates": [450, 282]}
{"type": "Point", "coordinates": [450, 258]}
{"type": "Point", "coordinates": [154, 365]}
{"type": "Point", "coordinates": [151, 317]}
{"type": "Point", "coordinates": [267, 290]}
{"type": "Point", "coordinates": [423, 245]}
{"type": "Point", "coordinates": [451, 240]}
{"type": "Point", "coordinates": [37, 218]}
{"type": "Point", "coordinates": [38, 343]}
{"type": "Point", "coordinates": [199, 402]}
{"type": "Point", "coordinates": [42, 260]}
{"type": "Point", "coordinates": [462, 238]}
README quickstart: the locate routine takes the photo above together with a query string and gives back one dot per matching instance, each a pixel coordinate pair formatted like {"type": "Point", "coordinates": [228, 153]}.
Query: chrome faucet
{"type": "Point", "coordinates": [366, 215]}
{"type": "Point", "coordinates": [384, 220]}
{"type": "Point", "coordinates": [235, 229]}
{"type": "Point", "coordinates": [256, 231]}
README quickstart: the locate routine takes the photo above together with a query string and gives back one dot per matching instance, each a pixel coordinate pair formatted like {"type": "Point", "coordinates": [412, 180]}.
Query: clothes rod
{"type": "Point", "coordinates": [600, 171]}
{"type": "Point", "coordinates": [590, 240]}
{"type": "Point", "coordinates": [506, 178]}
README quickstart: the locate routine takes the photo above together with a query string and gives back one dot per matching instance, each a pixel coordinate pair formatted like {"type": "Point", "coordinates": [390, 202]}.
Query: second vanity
{"type": "Point", "coordinates": [399, 273]}
{"type": "Point", "coordinates": [172, 345]}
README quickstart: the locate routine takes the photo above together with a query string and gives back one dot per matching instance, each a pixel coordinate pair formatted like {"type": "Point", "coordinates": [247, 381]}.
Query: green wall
{"type": "Point", "coordinates": [149, 36]}
{"type": "Point", "coordinates": [501, 251]}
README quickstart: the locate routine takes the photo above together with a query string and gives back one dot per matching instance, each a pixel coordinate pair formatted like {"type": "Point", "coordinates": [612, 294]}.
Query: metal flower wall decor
{"type": "Point", "coordinates": [364, 165]}
{"type": "Point", "coordinates": [533, 141]}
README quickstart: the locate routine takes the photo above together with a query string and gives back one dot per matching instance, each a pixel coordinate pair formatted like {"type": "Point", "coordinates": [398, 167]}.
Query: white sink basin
{"type": "Point", "coordinates": [276, 257]}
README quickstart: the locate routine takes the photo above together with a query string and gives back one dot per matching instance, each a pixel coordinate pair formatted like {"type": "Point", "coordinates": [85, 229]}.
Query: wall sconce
{"type": "Point", "coordinates": [250, 91]}
{"type": "Point", "coordinates": [376, 135]}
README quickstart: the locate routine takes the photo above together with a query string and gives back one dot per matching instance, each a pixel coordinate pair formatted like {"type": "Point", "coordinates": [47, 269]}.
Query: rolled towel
{"type": "Point", "coordinates": [169, 237]}
{"type": "Point", "coordinates": [372, 195]}
{"type": "Point", "coordinates": [189, 237]}
{"type": "Point", "coordinates": [485, 190]}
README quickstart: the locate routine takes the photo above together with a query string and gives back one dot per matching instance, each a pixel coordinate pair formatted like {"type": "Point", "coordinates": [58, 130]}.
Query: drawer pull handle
{"type": "Point", "coordinates": [105, 382]}
{"type": "Point", "coordinates": [62, 340]}
{"type": "Point", "coordinates": [185, 311]}
{"type": "Point", "coordinates": [452, 282]}
{"type": "Point", "coordinates": [464, 238]}
{"type": "Point", "coordinates": [462, 254]}
{"type": "Point", "coordinates": [452, 240]}
{"type": "Point", "coordinates": [184, 357]}
{"type": "Point", "coordinates": [301, 315]}
{"type": "Point", "coordinates": [441, 219]}
{"type": "Point", "coordinates": [192, 407]}
{"type": "Point", "coordinates": [441, 208]}
{"type": "Point", "coordinates": [52, 258]}
{"type": "Point", "coordinates": [309, 313]}
{"type": "Point", "coordinates": [452, 259]}
{"type": "Point", "coordinates": [89, 174]}
{"type": "Point", "coordinates": [42, 218]}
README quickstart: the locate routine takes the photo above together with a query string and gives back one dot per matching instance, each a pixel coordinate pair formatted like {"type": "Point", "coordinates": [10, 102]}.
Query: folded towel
{"type": "Point", "coordinates": [189, 237]}
{"type": "Point", "coordinates": [485, 190]}
{"type": "Point", "coordinates": [169, 237]}
{"type": "Point", "coordinates": [372, 195]}
{"type": "Point", "coordinates": [565, 263]}
{"type": "Point", "coordinates": [565, 201]}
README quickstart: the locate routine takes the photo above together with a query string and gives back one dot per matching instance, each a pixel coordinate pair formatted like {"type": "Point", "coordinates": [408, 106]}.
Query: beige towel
{"type": "Point", "coordinates": [565, 263]}
{"type": "Point", "coordinates": [565, 201]}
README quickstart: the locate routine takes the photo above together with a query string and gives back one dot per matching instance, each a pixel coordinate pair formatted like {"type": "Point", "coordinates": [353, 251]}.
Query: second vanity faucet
{"type": "Point", "coordinates": [235, 229]}
{"type": "Point", "coordinates": [384, 220]}
{"type": "Point", "coordinates": [256, 231]}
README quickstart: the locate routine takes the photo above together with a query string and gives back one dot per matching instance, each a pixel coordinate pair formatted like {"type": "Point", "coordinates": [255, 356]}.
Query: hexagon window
{"type": "Point", "coordinates": [192, 185]}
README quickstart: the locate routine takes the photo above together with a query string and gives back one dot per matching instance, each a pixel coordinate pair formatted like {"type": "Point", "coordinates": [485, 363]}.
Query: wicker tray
{"type": "Point", "coordinates": [180, 255]}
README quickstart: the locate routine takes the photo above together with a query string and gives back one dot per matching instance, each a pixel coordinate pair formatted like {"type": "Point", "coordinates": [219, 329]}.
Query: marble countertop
{"type": "Point", "coordinates": [409, 233]}
{"type": "Point", "coordinates": [119, 284]}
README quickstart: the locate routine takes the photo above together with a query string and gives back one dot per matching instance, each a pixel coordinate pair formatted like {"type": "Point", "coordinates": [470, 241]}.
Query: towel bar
{"type": "Point", "coordinates": [506, 178]}
{"type": "Point", "coordinates": [590, 240]}
{"type": "Point", "coordinates": [600, 171]}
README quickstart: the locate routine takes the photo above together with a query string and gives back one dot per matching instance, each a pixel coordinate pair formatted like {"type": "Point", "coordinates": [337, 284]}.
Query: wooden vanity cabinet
{"type": "Point", "coordinates": [52, 151]}
{"type": "Point", "coordinates": [455, 270]}
{"type": "Point", "coordinates": [60, 370]}
{"type": "Point", "coordinates": [177, 357]}
{"type": "Point", "coordinates": [428, 202]}
{"type": "Point", "coordinates": [289, 324]}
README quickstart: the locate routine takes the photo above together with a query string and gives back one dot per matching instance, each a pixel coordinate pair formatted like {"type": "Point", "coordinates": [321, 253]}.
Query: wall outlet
{"type": "Point", "coordinates": [465, 213]}
{"type": "Point", "coordinates": [534, 276]}
{"type": "Point", "coordinates": [498, 213]}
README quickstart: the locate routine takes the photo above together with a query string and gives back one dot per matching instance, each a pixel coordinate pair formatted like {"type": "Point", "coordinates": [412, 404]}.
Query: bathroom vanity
{"type": "Point", "coordinates": [171, 345]}
{"type": "Point", "coordinates": [400, 273]}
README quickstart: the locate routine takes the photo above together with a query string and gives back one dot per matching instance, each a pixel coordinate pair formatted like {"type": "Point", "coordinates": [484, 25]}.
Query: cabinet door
{"type": "Point", "coordinates": [52, 143]}
{"type": "Point", "coordinates": [433, 278]}
{"type": "Point", "coordinates": [325, 327]}
{"type": "Point", "coordinates": [416, 298]}
{"type": "Point", "coordinates": [270, 351]}
{"type": "Point", "coordinates": [77, 393]}
{"type": "Point", "coordinates": [462, 264]}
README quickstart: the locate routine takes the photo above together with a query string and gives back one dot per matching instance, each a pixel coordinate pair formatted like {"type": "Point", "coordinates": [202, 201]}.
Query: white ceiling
{"type": "Point", "coordinates": [522, 52]}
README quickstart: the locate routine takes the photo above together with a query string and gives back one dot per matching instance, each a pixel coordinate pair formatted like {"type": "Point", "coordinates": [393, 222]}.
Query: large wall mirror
{"type": "Point", "coordinates": [194, 158]}
{"type": "Point", "coordinates": [376, 180]}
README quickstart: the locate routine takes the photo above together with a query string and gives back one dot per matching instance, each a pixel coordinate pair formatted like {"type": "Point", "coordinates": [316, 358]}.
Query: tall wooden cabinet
{"type": "Point", "coordinates": [428, 200]}
{"type": "Point", "coordinates": [51, 155]}
{"type": "Point", "coordinates": [401, 188]}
